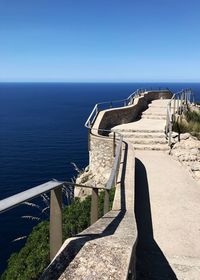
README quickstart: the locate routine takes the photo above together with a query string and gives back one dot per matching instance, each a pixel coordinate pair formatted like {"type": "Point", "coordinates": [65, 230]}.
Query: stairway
{"type": "Point", "coordinates": [148, 133]}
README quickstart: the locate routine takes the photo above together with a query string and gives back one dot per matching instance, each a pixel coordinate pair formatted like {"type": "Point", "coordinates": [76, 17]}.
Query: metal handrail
{"type": "Point", "coordinates": [55, 187]}
{"type": "Point", "coordinates": [14, 200]}
{"type": "Point", "coordinates": [180, 98]}
{"type": "Point", "coordinates": [114, 172]}
{"type": "Point", "coordinates": [96, 109]}
{"type": "Point", "coordinates": [17, 199]}
{"type": "Point", "coordinates": [126, 102]}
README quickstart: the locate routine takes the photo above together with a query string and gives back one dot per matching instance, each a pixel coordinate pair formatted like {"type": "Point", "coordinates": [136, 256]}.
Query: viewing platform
{"type": "Point", "coordinates": [152, 231]}
{"type": "Point", "coordinates": [162, 229]}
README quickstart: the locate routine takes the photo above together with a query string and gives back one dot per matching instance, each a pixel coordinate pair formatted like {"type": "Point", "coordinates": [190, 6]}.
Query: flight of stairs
{"type": "Point", "coordinates": [148, 133]}
{"type": "Point", "coordinates": [146, 140]}
{"type": "Point", "coordinates": [155, 111]}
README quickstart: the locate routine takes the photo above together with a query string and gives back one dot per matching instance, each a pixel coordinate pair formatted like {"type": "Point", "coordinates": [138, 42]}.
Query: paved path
{"type": "Point", "coordinates": [168, 218]}
{"type": "Point", "coordinates": [167, 203]}
{"type": "Point", "coordinates": [148, 133]}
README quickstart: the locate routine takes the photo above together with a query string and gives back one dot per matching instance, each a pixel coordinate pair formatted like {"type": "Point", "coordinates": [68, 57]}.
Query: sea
{"type": "Point", "coordinates": [41, 133]}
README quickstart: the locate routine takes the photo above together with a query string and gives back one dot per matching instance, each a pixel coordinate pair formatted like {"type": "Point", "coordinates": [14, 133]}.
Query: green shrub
{"type": "Point", "coordinates": [33, 258]}
{"type": "Point", "coordinates": [76, 217]}
{"type": "Point", "coordinates": [190, 123]}
{"type": "Point", "coordinates": [192, 116]}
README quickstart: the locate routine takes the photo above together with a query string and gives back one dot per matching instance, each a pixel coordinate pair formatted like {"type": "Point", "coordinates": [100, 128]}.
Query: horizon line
{"type": "Point", "coordinates": [70, 82]}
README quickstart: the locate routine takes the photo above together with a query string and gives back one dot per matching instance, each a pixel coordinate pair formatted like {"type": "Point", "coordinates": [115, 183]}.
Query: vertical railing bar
{"type": "Point", "coordinates": [89, 140]}
{"type": "Point", "coordinates": [94, 206]}
{"type": "Point", "coordinates": [174, 108]}
{"type": "Point", "coordinates": [55, 229]}
{"type": "Point", "coordinates": [114, 145]}
{"type": "Point", "coordinates": [106, 201]}
{"type": "Point", "coordinates": [178, 105]}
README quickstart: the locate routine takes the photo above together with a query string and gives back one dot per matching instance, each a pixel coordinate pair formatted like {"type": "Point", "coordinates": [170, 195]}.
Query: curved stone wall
{"type": "Point", "coordinates": [101, 154]}
{"type": "Point", "coordinates": [116, 116]}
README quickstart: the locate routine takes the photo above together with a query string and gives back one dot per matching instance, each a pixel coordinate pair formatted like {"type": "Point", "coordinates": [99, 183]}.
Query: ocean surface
{"type": "Point", "coordinates": [41, 132]}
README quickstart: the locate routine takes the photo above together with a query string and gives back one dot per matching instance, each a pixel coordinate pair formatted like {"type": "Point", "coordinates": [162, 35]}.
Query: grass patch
{"type": "Point", "coordinates": [190, 123]}
{"type": "Point", "coordinates": [192, 116]}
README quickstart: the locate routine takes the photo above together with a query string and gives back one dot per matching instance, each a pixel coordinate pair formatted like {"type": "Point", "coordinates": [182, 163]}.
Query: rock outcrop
{"type": "Point", "coordinates": [88, 178]}
{"type": "Point", "coordinates": [187, 151]}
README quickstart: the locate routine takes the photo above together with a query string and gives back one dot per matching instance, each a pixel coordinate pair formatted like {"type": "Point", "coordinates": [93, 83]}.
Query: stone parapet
{"type": "Point", "coordinates": [101, 148]}
{"type": "Point", "coordinates": [105, 250]}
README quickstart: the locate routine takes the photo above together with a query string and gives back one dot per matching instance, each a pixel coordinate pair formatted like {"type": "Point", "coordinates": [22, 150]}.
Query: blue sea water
{"type": "Point", "coordinates": [41, 133]}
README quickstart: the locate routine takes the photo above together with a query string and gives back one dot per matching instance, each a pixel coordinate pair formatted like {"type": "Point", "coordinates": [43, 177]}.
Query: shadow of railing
{"type": "Point", "coordinates": [151, 263]}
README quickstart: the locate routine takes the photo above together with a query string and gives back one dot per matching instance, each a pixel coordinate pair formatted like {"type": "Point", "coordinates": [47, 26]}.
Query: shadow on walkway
{"type": "Point", "coordinates": [150, 261]}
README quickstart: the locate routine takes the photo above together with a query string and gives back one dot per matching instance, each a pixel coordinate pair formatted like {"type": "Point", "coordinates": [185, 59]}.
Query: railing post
{"type": "Point", "coordinates": [97, 110]}
{"type": "Point", "coordinates": [89, 130]}
{"type": "Point", "coordinates": [94, 206]}
{"type": "Point", "coordinates": [166, 126]}
{"type": "Point", "coordinates": [190, 96]}
{"type": "Point", "coordinates": [114, 136]}
{"type": "Point", "coordinates": [118, 165]}
{"type": "Point", "coordinates": [181, 103]}
{"type": "Point", "coordinates": [170, 133]}
{"type": "Point", "coordinates": [106, 201]}
{"type": "Point", "coordinates": [55, 221]}
{"type": "Point", "coordinates": [174, 108]}
{"type": "Point", "coordinates": [178, 105]}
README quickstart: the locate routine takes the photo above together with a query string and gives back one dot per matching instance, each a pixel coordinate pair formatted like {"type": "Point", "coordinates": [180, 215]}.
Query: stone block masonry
{"type": "Point", "coordinates": [101, 146]}
{"type": "Point", "coordinates": [101, 156]}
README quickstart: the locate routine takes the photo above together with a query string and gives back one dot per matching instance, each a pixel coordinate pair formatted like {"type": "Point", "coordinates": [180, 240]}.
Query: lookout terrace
{"type": "Point", "coordinates": [151, 230]}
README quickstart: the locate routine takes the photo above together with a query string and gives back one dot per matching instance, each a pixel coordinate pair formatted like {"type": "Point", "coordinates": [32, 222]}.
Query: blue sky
{"type": "Point", "coordinates": [107, 40]}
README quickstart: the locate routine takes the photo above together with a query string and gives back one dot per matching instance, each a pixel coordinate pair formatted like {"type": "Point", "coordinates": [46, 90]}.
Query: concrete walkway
{"type": "Point", "coordinates": [148, 133]}
{"type": "Point", "coordinates": [167, 203]}
{"type": "Point", "coordinates": [168, 219]}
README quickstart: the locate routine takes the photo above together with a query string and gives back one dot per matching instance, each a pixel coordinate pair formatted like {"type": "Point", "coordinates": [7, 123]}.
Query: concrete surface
{"type": "Point", "coordinates": [168, 219]}
{"type": "Point", "coordinates": [147, 133]}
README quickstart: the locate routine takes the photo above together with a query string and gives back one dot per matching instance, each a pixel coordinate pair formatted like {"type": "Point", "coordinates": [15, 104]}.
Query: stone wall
{"type": "Point", "coordinates": [116, 116]}
{"type": "Point", "coordinates": [101, 146]}
{"type": "Point", "coordinates": [101, 155]}
{"type": "Point", "coordinates": [100, 164]}
{"type": "Point", "coordinates": [103, 251]}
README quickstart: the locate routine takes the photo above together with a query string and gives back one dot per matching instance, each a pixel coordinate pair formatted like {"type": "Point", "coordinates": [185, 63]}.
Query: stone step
{"type": "Point", "coordinates": [154, 113]}
{"type": "Point", "coordinates": [158, 106]}
{"type": "Point", "coordinates": [147, 141]}
{"type": "Point", "coordinates": [155, 147]}
{"type": "Point", "coordinates": [144, 135]}
{"type": "Point", "coordinates": [138, 130]}
{"type": "Point", "coordinates": [153, 117]}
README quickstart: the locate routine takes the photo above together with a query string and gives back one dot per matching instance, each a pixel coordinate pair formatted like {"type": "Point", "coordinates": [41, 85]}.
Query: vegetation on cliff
{"type": "Point", "coordinates": [190, 122]}
{"type": "Point", "coordinates": [33, 258]}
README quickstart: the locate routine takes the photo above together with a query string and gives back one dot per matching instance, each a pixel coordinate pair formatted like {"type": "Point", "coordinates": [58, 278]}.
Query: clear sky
{"type": "Point", "coordinates": [99, 40]}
